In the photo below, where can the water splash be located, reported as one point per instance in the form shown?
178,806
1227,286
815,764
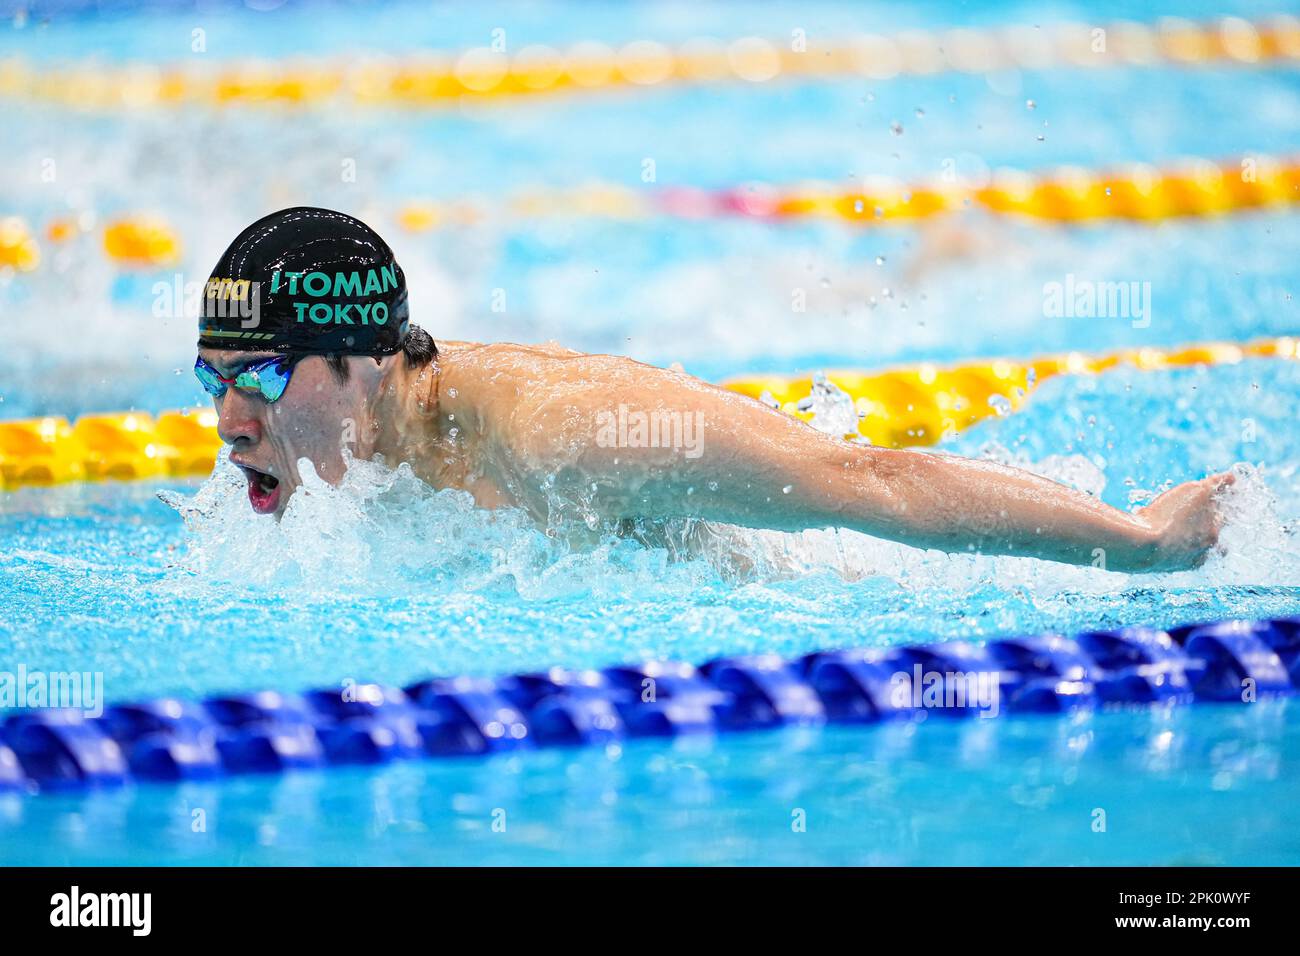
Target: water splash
833,410
383,531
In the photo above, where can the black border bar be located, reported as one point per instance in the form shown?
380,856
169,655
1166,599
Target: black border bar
930,905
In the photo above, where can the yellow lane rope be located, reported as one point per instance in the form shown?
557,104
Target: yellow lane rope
916,405
922,404
442,78
1195,187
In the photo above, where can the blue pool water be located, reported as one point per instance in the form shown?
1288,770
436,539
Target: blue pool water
384,580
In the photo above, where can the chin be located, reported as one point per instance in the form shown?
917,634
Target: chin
283,504
333,473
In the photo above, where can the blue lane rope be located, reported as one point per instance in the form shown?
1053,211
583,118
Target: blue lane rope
271,732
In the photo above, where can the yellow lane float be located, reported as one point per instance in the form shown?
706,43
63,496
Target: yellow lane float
39,451
119,446
920,405
122,446
188,441
18,248
143,242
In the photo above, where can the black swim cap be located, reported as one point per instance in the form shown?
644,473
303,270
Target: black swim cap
306,280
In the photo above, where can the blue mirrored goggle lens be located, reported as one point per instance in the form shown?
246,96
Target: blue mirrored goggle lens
269,379
208,378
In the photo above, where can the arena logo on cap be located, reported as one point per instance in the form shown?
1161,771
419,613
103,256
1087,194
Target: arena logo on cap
321,284
232,298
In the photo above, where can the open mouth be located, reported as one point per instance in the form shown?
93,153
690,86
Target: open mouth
263,490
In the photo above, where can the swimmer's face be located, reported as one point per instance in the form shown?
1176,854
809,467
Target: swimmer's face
312,419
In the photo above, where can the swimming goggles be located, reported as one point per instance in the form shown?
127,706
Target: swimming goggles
268,378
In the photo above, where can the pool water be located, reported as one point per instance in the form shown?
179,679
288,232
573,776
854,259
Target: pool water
177,588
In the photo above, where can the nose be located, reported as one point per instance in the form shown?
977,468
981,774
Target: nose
238,418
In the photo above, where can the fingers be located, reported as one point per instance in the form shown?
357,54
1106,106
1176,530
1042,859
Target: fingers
1220,482
1218,485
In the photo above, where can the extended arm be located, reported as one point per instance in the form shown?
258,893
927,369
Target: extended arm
635,441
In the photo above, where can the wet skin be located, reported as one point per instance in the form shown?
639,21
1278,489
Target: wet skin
522,426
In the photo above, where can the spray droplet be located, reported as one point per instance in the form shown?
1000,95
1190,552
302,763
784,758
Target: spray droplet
787,489
880,260
896,128
1030,104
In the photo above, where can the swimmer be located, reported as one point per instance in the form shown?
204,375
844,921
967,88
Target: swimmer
306,345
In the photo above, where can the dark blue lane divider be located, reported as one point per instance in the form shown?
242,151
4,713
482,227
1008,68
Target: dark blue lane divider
269,731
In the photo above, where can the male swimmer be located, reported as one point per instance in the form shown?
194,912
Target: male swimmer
305,344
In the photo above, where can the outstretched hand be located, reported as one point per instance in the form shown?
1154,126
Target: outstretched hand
1186,521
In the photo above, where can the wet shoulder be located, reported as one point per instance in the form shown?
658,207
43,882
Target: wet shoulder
508,364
